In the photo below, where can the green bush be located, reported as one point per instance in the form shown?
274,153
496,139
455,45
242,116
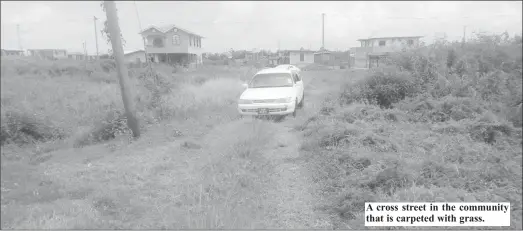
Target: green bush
383,87
427,109
20,128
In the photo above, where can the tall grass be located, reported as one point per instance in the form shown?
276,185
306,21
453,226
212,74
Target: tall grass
441,123
163,180
65,95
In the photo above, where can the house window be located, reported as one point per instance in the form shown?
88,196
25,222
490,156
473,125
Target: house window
158,42
190,40
410,42
382,43
176,39
302,57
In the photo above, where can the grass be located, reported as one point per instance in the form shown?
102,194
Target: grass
442,123
176,187
213,185
422,129
64,167
46,93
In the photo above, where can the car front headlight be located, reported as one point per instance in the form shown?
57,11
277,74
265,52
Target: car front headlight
284,100
244,101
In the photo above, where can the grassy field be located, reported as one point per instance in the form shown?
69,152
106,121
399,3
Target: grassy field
442,123
64,164
439,124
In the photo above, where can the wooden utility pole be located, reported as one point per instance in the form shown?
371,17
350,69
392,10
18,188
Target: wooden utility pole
85,49
322,37
96,38
464,34
18,35
323,31
121,68
86,58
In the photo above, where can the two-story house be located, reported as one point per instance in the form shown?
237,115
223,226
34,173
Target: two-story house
172,44
76,55
12,52
51,54
373,49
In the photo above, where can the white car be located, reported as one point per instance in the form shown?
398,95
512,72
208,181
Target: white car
274,91
289,67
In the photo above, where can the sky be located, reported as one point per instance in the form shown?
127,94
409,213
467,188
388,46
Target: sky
248,25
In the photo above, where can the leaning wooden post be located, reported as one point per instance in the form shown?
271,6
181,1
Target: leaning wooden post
121,68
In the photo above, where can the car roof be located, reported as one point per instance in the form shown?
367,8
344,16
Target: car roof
284,66
274,71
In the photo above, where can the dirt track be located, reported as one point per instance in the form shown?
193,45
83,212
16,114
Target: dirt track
292,200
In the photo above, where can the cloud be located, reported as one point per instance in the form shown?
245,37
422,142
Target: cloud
34,14
245,25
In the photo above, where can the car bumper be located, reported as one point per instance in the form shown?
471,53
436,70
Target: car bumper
272,108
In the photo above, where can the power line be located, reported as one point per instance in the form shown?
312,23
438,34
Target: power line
143,38
138,16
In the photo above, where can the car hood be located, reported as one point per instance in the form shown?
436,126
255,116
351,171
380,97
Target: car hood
268,93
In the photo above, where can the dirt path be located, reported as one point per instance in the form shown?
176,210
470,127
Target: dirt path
291,201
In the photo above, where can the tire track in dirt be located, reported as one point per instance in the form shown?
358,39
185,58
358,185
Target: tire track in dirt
291,202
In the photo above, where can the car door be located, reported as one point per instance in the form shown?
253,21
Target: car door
299,85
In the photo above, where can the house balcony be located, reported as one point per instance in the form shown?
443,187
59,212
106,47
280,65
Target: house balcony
364,51
157,49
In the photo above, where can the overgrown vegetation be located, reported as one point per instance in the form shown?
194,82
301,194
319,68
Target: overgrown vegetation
44,101
439,123
63,165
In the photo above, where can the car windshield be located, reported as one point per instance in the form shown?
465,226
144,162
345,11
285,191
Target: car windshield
271,80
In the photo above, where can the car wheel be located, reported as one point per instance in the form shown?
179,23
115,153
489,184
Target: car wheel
302,101
295,108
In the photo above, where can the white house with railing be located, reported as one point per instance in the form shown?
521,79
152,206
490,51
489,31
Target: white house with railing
373,49
172,44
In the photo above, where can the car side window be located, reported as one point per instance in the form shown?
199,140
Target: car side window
298,77
295,77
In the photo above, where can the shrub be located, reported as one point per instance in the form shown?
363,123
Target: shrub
113,124
383,87
451,135
21,128
427,109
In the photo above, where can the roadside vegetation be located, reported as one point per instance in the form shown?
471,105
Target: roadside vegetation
440,123
67,163
44,101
